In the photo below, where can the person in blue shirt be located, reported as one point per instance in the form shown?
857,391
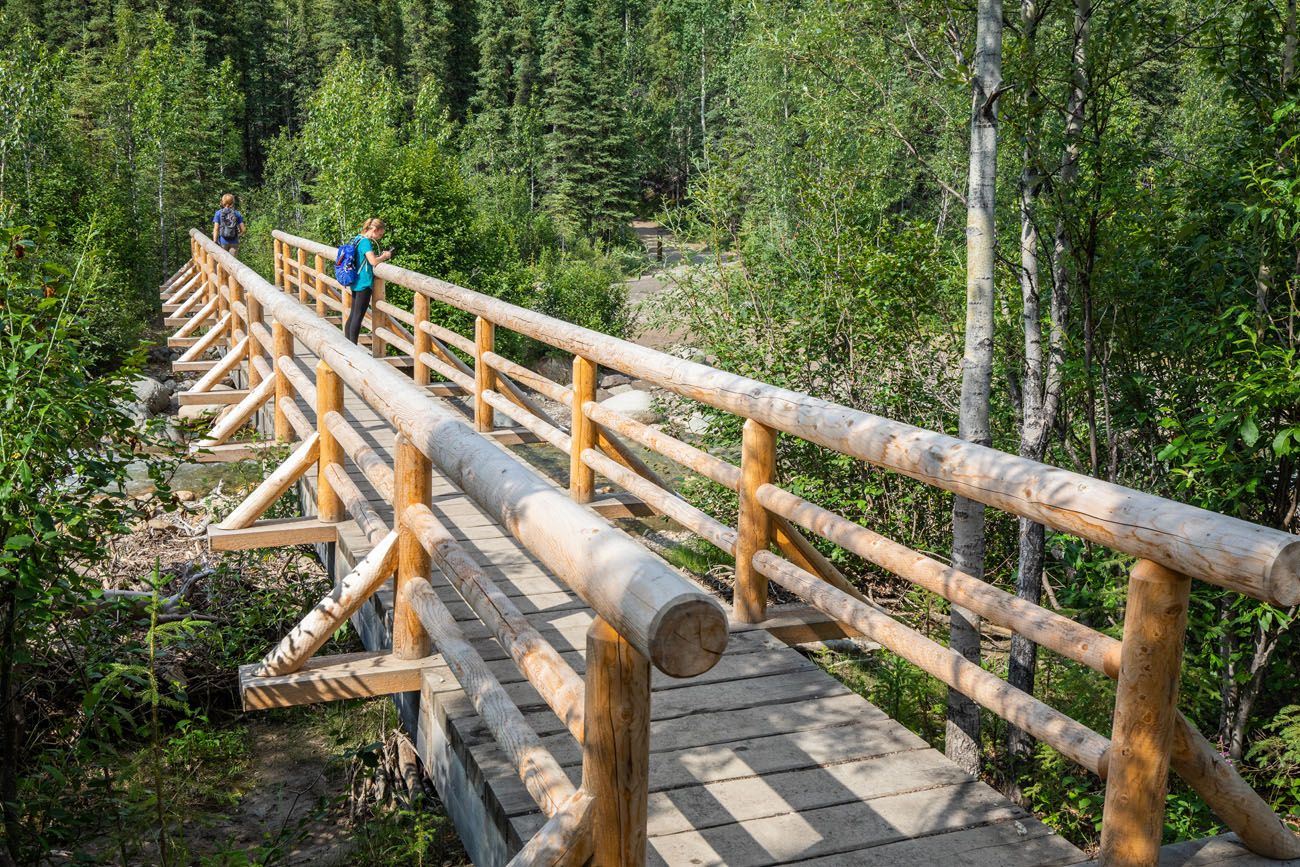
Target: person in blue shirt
228,225
372,232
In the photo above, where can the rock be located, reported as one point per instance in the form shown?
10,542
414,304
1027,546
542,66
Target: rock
170,385
135,409
173,405
637,405
185,496
613,380
621,388
698,423
151,394
555,370
224,386
195,411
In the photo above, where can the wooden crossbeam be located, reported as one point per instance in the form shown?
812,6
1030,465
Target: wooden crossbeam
801,624
211,398
621,505
272,533
445,389
230,452
193,366
513,436
182,342
333,678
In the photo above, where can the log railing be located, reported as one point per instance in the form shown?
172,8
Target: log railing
646,613
1173,542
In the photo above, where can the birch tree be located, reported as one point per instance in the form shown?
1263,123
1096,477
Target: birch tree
963,731
1040,392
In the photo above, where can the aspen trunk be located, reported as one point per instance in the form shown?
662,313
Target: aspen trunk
963,745
1042,373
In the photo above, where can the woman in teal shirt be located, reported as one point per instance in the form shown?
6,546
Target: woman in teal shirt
371,234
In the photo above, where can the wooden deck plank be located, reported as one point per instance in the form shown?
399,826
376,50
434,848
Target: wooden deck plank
1016,843
834,830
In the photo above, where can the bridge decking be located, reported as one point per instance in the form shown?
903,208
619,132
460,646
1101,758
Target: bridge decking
765,759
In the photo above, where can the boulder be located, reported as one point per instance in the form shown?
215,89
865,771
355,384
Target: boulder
613,380
195,411
638,405
697,424
151,394
555,370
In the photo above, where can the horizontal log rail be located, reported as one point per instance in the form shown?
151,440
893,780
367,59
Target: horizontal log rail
1254,560
1170,539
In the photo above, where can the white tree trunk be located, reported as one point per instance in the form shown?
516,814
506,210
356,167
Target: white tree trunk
1042,373
962,742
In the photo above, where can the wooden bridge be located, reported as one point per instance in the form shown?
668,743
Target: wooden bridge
577,700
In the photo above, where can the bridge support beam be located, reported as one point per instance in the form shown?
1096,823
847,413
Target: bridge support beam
1146,712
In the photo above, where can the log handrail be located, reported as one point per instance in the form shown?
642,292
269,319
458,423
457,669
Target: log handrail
1254,560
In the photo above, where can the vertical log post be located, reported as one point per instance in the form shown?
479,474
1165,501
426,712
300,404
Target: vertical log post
484,377
206,277
318,285
757,467
1146,711
582,430
329,398
234,292
616,752
283,339
218,286
378,319
300,267
423,339
412,484
277,267
255,347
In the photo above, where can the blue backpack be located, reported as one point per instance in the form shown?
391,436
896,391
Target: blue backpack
347,264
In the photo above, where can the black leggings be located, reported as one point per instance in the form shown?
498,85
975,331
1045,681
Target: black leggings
360,304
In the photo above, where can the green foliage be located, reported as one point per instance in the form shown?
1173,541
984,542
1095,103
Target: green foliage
349,137
1277,756
66,440
428,205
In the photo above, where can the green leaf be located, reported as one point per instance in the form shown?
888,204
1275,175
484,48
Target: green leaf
1249,431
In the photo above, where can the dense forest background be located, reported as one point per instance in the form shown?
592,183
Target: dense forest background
1143,184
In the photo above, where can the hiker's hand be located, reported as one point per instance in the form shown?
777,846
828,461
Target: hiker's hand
388,254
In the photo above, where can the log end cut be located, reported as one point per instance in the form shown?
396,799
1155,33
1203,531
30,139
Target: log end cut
688,635
1284,576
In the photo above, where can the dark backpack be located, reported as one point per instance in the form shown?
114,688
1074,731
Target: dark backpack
229,222
347,263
